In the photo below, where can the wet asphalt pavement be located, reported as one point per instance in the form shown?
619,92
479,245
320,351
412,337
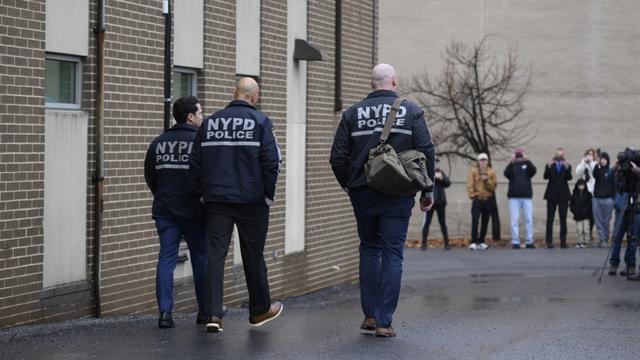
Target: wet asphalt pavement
496,304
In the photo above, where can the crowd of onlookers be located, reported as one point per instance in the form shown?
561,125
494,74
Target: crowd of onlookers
597,194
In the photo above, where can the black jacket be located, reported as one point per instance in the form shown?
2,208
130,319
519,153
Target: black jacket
235,156
580,204
519,174
605,186
359,131
166,171
439,195
558,185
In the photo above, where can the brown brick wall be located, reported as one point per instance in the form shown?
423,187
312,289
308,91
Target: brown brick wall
133,117
21,157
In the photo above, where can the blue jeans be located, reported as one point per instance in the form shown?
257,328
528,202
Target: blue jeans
515,206
171,232
622,225
382,227
602,209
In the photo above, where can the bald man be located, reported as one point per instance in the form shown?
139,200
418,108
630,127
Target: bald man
235,165
382,219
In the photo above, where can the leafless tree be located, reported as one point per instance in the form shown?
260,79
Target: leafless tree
475,106
476,103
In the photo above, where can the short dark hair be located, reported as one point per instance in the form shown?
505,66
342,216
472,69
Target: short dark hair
183,107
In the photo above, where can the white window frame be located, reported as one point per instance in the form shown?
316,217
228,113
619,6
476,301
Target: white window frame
194,76
78,93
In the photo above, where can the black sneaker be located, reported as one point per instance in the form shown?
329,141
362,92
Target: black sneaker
530,246
613,270
515,246
423,247
201,319
165,321
549,246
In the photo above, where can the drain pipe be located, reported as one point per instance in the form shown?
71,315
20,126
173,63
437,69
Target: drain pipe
99,153
166,10
337,101
374,35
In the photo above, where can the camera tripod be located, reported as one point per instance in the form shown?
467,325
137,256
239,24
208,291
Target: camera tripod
630,205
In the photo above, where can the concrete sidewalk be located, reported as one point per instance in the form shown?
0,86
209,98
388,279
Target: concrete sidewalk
459,304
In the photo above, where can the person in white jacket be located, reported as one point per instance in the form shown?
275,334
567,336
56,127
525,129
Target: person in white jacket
584,171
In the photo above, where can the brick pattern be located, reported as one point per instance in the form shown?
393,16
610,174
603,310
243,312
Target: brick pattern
133,117
22,46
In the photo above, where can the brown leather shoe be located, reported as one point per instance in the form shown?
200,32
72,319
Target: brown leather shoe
274,311
214,324
385,332
369,324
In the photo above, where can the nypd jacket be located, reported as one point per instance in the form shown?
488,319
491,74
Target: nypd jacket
166,171
235,156
359,131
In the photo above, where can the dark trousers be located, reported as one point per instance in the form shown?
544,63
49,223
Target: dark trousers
624,226
171,232
252,221
480,212
382,221
562,213
440,210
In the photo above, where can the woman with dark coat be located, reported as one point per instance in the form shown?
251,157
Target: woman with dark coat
440,202
580,206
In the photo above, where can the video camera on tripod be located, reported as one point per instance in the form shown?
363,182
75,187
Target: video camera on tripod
626,159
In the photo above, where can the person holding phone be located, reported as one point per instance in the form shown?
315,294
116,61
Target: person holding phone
558,173
481,183
519,172
440,203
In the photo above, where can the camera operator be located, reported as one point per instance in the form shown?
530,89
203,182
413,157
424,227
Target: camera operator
627,175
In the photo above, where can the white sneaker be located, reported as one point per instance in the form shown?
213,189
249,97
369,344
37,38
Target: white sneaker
482,246
472,246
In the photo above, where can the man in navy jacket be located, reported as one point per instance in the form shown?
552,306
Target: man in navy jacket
176,211
234,167
382,219
519,172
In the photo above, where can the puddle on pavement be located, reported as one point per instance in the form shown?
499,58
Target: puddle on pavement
494,302
495,275
625,305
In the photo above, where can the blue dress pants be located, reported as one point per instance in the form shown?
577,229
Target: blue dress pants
171,232
382,227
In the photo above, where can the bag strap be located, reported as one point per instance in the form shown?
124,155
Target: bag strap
391,118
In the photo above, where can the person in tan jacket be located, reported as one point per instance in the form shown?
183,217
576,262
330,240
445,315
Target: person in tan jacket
481,183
